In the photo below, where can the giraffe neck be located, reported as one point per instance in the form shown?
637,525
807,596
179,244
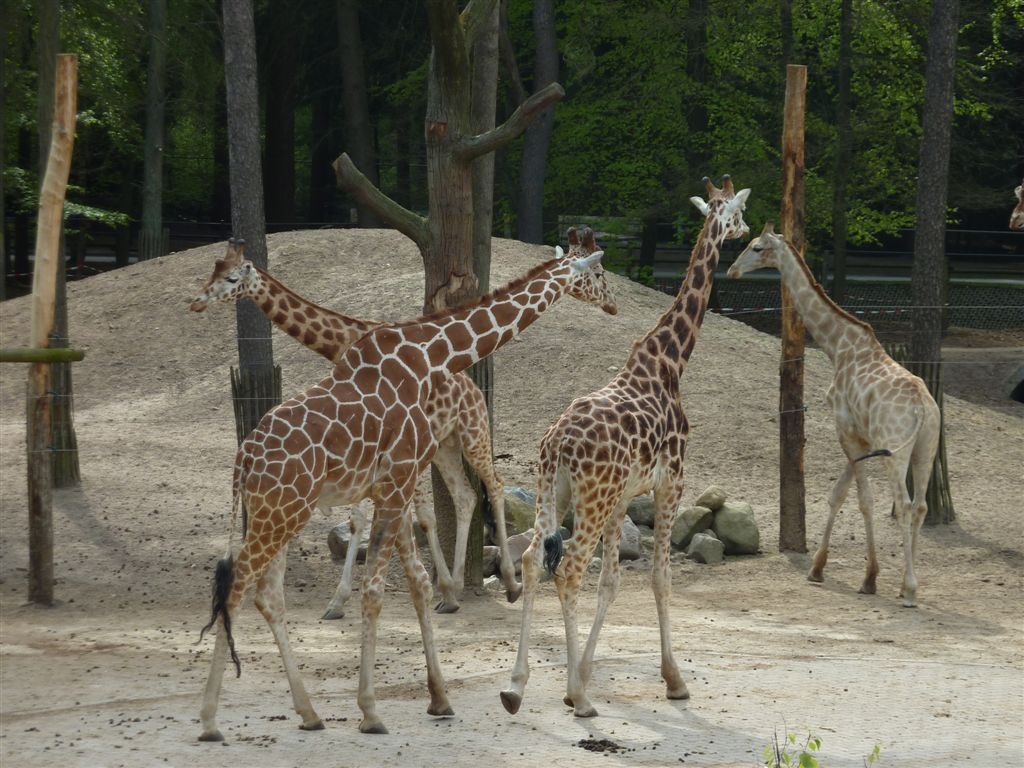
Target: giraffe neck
670,343
449,342
325,332
826,321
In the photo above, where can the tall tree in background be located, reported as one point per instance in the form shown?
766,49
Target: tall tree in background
64,459
445,237
258,385
928,277
844,152
530,214
355,104
281,69
151,236
3,157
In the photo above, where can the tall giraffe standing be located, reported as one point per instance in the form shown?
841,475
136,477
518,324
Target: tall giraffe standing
881,409
456,409
363,431
609,446
1017,217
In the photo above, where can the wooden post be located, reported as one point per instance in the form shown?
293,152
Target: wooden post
792,510
51,223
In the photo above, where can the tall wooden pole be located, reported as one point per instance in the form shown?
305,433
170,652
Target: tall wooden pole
792,511
40,404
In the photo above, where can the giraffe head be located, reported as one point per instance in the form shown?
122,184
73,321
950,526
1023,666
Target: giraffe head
761,253
725,207
234,277
1017,217
588,282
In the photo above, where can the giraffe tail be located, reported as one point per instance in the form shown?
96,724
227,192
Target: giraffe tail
554,549
223,578
887,452
873,454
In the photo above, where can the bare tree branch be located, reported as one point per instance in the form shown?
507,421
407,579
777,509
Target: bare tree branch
356,184
512,128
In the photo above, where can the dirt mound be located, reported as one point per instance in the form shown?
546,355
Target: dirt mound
112,677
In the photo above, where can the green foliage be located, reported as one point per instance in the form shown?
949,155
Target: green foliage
791,752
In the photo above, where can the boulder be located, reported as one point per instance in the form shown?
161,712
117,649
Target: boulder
734,524
491,561
525,495
641,511
705,548
519,516
629,544
339,539
517,544
713,498
690,521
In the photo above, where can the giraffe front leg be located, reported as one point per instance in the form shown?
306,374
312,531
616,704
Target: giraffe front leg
512,697
666,503
357,524
419,588
836,499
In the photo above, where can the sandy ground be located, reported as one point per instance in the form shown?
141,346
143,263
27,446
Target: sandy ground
112,675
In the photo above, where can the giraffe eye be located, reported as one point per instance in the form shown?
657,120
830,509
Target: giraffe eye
233,279
757,249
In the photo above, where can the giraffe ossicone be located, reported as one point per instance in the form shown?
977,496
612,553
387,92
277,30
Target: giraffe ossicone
614,444
363,431
880,409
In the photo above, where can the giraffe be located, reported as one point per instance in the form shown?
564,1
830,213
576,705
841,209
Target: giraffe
363,431
1017,217
456,409
612,445
880,408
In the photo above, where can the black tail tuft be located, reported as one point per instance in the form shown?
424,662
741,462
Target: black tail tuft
873,454
223,578
553,551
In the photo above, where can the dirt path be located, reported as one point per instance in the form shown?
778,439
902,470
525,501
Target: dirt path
112,676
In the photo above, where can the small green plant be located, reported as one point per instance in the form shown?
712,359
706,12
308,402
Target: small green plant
790,753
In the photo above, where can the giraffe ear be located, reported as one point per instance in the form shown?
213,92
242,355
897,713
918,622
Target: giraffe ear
701,205
587,262
740,201
559,253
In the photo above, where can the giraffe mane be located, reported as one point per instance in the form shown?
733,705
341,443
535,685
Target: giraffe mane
496,294
821,291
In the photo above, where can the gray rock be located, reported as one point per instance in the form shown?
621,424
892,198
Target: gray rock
713,498
705,548
629,544
491,561
339,538
641,511
517,544
525,495
519,516
690,521
735,525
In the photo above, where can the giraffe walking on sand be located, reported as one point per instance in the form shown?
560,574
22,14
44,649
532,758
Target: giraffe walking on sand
881,409
363,431
455,407
612,445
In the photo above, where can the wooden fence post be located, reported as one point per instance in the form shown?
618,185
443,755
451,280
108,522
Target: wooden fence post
48,237
792,509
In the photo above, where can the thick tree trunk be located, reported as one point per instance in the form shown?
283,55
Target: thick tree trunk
530,214
355,102
321,190
844,153
929,270
281,75
151,237
697,67
3,164
255,351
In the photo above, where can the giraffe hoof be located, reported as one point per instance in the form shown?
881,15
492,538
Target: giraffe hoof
372,726
446,607
511,701
213,735
815,578
677,694
316,725
333,613
513,594
441,711
585,711
866,589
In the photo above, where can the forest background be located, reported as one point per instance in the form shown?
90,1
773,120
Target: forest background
658,94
